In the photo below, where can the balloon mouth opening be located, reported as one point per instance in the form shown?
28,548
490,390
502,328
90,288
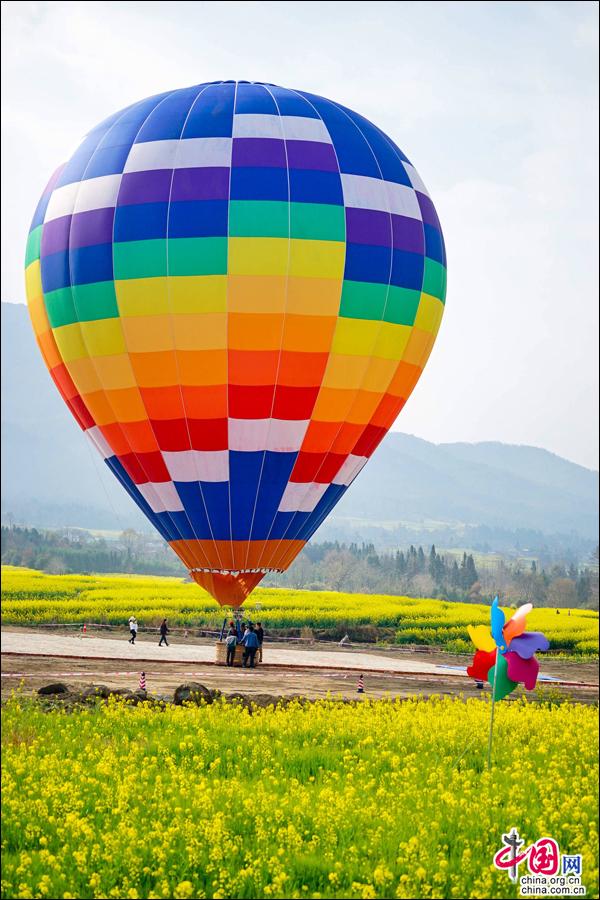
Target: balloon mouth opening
229,587
263,570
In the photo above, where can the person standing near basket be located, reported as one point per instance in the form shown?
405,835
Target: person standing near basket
231,644
260,634
250,642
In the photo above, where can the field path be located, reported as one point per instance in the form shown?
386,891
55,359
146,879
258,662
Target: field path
36,644
33,657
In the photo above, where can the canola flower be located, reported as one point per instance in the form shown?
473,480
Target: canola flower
31,597
381,799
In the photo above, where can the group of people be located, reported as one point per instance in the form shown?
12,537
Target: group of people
133,630
251,640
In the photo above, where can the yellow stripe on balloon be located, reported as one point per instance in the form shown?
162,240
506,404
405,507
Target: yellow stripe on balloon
429,314
103,337
317,259
258,256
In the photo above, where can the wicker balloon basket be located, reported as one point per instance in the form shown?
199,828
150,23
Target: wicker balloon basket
221,655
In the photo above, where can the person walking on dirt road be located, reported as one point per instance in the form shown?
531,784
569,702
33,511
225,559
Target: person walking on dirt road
133,629
164,630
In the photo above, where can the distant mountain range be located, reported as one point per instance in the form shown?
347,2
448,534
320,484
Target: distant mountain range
488,492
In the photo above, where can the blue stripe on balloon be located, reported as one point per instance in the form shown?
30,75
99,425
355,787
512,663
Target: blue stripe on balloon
434,244
117,469
254,98
166,121
244,475
331,496
191,496
277,469
212,113
367,262
285,525
141,221
291,103
91,264
407,270
353,152
55,269
198,218
314,186
76,166
249,183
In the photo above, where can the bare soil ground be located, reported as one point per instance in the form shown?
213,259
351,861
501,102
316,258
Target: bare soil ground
27,673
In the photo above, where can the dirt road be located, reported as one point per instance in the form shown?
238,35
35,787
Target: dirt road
31,658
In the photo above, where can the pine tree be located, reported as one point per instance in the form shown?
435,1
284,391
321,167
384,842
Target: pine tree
433,562
400,562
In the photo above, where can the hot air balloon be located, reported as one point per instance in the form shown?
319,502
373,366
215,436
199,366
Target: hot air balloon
235,288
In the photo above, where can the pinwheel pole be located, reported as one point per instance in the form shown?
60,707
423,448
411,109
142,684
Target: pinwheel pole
491,734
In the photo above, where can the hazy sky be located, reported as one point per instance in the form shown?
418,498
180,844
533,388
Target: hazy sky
494,103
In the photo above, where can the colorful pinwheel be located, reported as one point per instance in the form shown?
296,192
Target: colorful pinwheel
508,648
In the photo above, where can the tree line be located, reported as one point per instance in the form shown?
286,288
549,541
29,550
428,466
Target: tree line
327,565
446,575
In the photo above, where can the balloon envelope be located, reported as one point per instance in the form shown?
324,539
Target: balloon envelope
235,288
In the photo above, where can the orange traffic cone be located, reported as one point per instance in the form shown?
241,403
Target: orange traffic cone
84,628
361,685
143,681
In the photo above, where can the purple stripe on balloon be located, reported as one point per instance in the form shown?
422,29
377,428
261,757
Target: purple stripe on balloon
311,155
83,229
92,227
145,187
55,236
368,226
380,229
267,152
202,183
408,234
428,210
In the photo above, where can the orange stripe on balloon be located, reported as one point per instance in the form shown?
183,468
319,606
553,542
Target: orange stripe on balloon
249,367
226,554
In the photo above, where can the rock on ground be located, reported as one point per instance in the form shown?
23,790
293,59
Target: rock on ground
192,692
55,688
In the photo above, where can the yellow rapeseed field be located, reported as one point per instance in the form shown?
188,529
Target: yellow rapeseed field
31,597
378,799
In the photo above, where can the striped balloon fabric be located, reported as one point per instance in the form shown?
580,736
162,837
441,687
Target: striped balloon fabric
235,288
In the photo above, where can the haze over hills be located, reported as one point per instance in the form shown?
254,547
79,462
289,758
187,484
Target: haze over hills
490,493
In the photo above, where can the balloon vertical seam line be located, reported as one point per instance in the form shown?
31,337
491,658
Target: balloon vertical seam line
273,554
281,336
299,526
425,354
171,518
320,519
235,94
373,444
74,291
175,352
